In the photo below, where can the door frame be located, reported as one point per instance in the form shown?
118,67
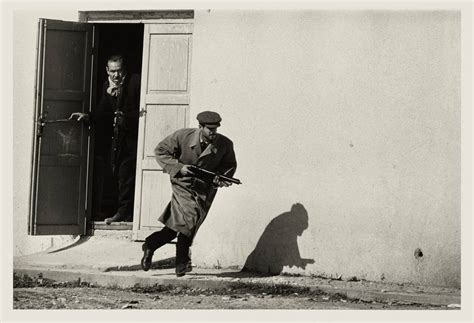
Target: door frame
91,17
135,16
37,102
122,17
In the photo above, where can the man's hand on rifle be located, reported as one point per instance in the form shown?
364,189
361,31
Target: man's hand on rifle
220,183
186,171
79,116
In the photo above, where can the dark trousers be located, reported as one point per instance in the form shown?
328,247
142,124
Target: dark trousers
126,185
98,186
123,179
160,238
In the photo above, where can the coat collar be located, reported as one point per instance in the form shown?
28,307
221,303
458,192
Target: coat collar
195,143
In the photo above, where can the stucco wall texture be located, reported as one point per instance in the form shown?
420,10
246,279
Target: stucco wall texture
354,115
346,126
25,28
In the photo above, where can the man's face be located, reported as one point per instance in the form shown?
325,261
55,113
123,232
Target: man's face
208,132
115,71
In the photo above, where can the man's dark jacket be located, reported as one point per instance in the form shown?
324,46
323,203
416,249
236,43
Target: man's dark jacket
103,117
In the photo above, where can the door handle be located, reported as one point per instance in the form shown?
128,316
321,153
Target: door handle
58,120
42,121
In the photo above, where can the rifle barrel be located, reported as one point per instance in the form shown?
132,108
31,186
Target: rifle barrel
230,179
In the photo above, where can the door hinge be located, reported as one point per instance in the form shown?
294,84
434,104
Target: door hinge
40,122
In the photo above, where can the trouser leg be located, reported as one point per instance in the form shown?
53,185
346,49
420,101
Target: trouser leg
126,186
182,249
98,187
160,238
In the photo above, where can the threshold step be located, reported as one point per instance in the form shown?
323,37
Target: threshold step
100,225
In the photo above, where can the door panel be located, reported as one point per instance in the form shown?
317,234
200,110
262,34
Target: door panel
53,189
169,58
60,156
164,101
66,45
164,120
62,138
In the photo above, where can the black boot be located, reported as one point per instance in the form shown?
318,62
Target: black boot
147,255
183,268
116,218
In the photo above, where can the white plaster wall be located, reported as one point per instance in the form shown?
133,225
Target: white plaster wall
355,115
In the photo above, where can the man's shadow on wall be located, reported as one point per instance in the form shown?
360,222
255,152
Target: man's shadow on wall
278,245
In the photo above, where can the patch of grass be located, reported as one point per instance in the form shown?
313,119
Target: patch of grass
25,281
276,289
157,288
291,274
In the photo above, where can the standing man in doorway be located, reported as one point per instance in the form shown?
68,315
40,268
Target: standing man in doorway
192,196
115,122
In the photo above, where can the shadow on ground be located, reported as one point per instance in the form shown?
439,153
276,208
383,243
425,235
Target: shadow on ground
81,240
238,274
159,264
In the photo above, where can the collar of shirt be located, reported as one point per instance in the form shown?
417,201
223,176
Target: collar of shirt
202,141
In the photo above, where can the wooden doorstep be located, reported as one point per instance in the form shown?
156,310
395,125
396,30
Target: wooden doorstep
100,225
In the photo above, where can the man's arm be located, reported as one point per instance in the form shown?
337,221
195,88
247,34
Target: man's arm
103,110
228,165
133,112
166,155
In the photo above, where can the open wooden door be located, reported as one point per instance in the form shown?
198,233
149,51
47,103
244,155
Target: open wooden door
60,148
164,103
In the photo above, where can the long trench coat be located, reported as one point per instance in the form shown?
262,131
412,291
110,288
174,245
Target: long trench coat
192,197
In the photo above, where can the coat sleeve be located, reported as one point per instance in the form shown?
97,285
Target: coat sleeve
228,165
134,93
166,154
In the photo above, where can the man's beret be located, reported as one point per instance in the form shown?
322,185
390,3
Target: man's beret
209,118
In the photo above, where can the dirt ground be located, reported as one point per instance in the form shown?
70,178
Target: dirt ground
44,294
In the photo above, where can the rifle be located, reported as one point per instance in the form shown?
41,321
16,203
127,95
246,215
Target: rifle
201,172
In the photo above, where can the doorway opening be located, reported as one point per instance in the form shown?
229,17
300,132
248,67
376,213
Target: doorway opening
108,185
